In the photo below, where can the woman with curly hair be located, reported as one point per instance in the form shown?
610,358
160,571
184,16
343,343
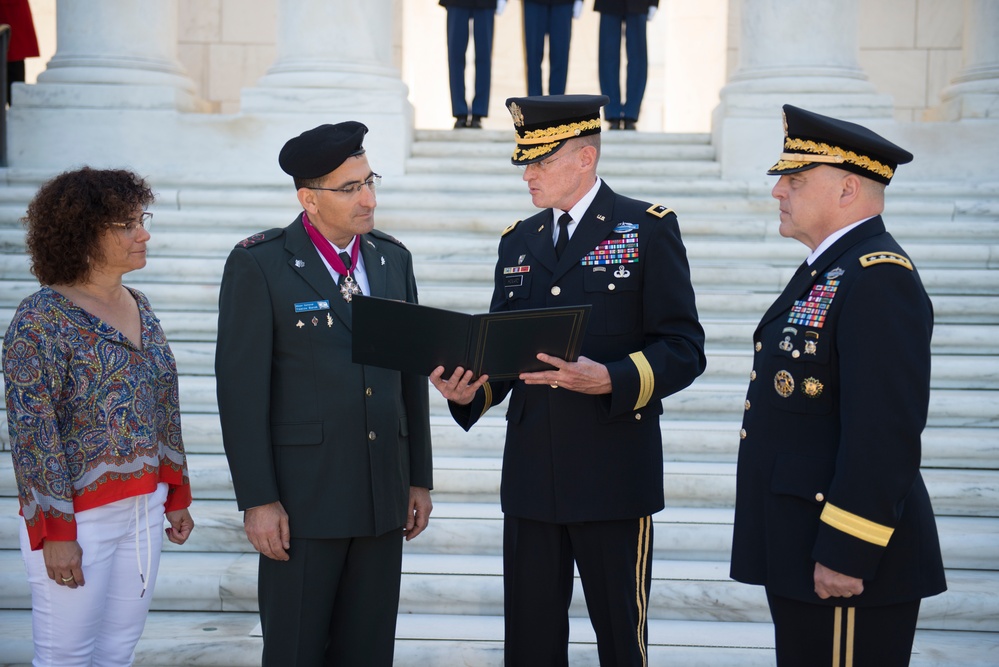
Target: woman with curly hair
94,420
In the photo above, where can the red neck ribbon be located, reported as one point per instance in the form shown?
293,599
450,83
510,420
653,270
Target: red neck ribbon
326,250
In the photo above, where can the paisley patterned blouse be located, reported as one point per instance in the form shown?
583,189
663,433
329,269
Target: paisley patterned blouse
92,418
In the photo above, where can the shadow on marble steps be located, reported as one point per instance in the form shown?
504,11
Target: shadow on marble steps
203,639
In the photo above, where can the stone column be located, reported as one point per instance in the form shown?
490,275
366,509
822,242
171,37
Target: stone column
802,52
114,54
335,61
974,93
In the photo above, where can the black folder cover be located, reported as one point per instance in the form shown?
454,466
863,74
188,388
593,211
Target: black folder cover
417,339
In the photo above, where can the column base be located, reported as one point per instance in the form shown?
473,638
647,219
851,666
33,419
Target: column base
969,99
106,96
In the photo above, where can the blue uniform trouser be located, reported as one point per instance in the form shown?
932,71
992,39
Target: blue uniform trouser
609,55
555,21
458,19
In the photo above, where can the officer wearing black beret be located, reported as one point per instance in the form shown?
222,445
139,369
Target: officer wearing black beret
583,461
832,516
330,460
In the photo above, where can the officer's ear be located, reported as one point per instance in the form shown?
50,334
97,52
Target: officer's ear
588,157
308,200
851,188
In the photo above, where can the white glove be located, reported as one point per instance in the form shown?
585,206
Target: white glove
577,9
652,12
500,6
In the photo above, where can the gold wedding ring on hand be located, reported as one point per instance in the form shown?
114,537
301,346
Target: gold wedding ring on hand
554,385
68,579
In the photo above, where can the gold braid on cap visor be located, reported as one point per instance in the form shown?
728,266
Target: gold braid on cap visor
531,153
559,132
827,154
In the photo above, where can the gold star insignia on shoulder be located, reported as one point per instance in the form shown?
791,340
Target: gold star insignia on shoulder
885,258
510,228
659,210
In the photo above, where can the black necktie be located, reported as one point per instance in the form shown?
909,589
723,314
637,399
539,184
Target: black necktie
345,258
563,234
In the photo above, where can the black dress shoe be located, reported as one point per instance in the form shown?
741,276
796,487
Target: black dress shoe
460,122
614,124
628,124
476,122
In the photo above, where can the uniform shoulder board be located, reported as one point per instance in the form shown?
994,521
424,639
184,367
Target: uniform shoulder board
510,228
659,210
885,258
261,237
377,233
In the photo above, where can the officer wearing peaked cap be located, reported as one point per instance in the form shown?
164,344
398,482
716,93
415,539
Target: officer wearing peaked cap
583,460
330,460
832,516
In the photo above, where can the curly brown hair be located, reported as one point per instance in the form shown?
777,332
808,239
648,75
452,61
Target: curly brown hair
70,213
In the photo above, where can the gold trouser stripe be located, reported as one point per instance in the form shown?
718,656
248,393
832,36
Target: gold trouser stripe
857,526
842,656
850,623
837,635
641,567
489,398
646,379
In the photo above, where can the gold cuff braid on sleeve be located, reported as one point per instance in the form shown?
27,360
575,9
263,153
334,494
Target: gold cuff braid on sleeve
856,526
646,379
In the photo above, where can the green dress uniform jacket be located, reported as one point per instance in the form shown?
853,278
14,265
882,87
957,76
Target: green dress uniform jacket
829,460
573,457
339,444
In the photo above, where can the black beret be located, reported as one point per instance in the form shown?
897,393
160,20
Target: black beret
811,139
545,122
322,149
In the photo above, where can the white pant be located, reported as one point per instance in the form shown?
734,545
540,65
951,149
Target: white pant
99,624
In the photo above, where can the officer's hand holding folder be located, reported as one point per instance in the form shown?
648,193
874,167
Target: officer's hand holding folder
417,339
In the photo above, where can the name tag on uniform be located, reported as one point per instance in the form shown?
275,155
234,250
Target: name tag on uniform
306,306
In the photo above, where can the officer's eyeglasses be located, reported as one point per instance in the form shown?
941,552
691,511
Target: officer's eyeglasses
145,221
542,165
373,182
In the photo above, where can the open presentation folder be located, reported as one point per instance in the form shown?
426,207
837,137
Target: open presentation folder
417,339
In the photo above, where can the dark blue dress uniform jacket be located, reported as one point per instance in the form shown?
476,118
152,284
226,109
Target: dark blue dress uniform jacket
571,457
339,444
829,459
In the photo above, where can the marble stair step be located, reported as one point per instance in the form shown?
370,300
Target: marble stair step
462,479
681,533
687,484
169,241
198,272
704,400
950,371
745,304
211,639
732,334
472,585
683,440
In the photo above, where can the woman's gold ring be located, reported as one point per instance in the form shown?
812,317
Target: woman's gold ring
67,579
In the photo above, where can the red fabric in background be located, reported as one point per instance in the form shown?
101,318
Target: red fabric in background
23,42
